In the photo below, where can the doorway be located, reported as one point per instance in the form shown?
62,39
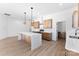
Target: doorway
61,30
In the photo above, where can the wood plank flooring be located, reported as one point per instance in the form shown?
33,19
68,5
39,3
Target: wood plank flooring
13,47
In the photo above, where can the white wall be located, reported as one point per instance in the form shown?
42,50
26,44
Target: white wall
3,26
16,25
12,26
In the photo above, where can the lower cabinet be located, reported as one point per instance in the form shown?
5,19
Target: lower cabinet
47,36
61,35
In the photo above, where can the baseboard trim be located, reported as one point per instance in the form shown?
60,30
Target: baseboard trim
12,35
72,50
1,38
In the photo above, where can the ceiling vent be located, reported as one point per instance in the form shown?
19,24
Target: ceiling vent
7,14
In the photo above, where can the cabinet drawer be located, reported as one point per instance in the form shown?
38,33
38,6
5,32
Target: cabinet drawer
47,36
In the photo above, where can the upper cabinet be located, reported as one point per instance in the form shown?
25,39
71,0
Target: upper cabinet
47,24
75,17
36,24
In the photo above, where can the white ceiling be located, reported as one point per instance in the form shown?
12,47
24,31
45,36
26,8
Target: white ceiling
17,9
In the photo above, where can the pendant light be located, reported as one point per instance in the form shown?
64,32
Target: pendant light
24,17
31,13
31,16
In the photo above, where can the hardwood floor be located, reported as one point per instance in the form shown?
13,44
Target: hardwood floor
13,47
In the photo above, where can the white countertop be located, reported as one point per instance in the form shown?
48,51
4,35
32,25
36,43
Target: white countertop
29,33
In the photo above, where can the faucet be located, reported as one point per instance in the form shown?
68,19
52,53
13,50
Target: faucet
76,31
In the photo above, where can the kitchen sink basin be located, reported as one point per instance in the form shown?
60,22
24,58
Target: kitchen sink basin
74,37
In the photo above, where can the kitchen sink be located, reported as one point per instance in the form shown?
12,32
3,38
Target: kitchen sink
74,37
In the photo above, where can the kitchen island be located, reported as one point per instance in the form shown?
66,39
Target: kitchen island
34,39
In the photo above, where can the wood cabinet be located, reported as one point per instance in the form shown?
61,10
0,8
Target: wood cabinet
35,24
47,23
61,35
46,36
27,39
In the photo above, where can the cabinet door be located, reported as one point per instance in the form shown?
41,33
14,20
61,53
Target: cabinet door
46,36
48,24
